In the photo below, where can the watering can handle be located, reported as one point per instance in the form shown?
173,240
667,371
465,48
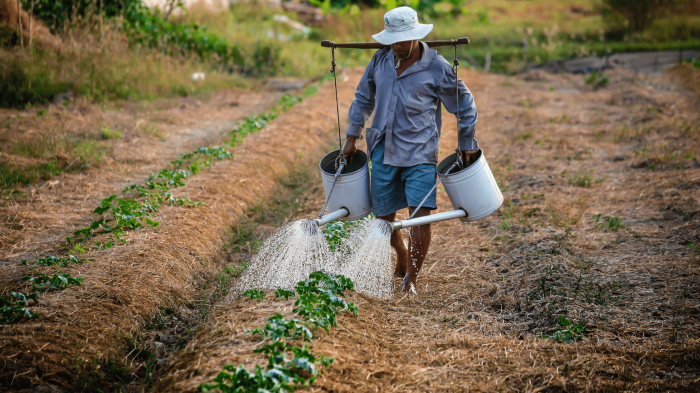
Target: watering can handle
442,177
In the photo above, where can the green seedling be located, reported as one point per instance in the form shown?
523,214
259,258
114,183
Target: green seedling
58,282
570,333
607,223
278,327
54,261
255,294
283,293
15,308
597,79
317,304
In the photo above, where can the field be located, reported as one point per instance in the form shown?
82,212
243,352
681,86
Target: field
585,280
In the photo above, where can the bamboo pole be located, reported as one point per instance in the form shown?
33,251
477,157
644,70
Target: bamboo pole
19,23
31,15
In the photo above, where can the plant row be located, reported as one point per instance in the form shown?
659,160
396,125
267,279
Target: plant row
290,364
117,216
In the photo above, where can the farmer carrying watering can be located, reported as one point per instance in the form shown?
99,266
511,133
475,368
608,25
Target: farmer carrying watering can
404,85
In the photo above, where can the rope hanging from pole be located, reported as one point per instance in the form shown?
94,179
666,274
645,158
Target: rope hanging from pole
455,71
337,108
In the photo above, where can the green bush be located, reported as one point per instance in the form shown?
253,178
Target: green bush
638,14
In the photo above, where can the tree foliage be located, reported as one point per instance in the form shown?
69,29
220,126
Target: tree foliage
638,14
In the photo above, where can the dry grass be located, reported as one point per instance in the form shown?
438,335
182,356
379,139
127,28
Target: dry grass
689,77
488,291
491,289
125,285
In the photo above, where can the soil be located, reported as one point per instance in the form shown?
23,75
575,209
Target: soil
600,226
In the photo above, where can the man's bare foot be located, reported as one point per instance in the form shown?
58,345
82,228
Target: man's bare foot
409,286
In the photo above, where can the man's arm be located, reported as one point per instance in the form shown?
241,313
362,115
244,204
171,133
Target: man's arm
361,108
467,115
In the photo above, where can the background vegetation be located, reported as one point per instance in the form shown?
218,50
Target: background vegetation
118,49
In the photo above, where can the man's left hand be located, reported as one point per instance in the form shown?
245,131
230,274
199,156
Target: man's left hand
469,157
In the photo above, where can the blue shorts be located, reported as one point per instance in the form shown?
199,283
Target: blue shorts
395,188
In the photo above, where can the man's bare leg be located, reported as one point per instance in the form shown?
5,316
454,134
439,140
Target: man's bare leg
399,246
418,249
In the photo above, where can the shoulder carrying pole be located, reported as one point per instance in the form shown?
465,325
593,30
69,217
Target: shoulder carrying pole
376,45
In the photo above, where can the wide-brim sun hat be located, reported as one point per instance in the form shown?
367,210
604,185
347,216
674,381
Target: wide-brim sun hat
401,24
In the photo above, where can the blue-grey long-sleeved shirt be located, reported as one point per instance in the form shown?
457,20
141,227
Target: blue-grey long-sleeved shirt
407,108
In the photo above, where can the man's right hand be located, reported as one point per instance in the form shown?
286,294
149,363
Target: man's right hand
349,148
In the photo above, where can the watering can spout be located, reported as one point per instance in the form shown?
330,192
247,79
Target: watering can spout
332,216
459,213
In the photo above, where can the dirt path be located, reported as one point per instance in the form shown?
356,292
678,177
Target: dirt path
563,154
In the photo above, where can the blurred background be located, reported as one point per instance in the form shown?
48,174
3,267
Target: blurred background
128,49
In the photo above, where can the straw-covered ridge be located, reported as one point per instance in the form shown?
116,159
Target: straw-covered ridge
124,286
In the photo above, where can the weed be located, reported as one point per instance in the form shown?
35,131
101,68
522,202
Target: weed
607,223
108,133
596,79
693,247
15,308
545,286
581,179
10,175
44,283
570,333
521,137
255,294
224,278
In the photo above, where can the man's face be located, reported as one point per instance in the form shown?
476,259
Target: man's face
402,49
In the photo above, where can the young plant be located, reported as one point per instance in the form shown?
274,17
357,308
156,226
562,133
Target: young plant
44,283
54,261
317,302
597,79
607,223
255,294
15,308
570,332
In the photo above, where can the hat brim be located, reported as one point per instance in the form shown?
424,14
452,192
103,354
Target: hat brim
392,37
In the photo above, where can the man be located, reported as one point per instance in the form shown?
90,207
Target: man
405,85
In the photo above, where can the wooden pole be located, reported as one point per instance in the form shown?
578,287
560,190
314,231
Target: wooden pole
100,20
31,15
376,45
525,65
19,23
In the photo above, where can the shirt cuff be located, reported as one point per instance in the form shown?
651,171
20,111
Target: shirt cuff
354,131
468,144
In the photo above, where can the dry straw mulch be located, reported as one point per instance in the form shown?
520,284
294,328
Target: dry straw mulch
125,285
491,289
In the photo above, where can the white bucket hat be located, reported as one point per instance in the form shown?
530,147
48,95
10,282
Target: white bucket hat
401,24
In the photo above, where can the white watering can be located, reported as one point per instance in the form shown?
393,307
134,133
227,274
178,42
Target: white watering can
473,191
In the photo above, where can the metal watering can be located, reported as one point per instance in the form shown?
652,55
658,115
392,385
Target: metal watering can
473,190
347,187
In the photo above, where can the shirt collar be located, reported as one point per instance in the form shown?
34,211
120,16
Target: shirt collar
426,59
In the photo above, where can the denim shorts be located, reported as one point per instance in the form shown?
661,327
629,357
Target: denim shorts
395,188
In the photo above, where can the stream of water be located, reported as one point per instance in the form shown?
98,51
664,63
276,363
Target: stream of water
299,248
